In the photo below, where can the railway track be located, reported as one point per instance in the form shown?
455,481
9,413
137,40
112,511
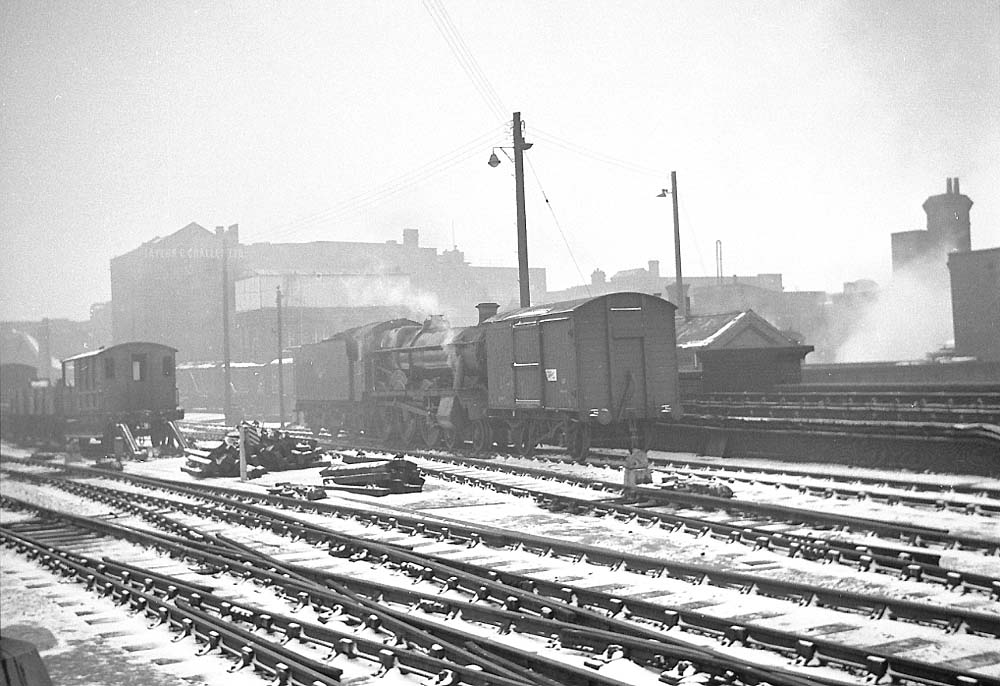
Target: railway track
576,629
910,550
918,488
971,496
387,539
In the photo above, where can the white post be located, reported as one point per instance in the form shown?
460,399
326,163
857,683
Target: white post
243,451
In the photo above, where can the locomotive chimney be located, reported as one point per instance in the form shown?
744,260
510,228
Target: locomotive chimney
954,186
486,310
948,186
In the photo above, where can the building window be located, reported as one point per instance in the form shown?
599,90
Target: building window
168,366
109,367
138,367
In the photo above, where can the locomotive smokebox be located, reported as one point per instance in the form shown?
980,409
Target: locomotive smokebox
487,310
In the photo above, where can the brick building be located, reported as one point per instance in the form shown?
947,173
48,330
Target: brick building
948,230
975,302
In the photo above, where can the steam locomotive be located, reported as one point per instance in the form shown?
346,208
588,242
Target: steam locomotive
566,373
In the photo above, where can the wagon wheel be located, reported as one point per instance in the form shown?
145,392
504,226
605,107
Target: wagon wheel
482,437
501,436
409,428
579,441
524,438
430,432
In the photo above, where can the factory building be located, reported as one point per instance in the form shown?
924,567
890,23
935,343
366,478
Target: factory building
169,289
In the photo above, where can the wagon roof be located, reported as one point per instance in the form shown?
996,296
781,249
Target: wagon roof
561,307
92,353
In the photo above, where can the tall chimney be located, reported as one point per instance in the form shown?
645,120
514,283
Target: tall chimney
954,185
654,268
487,310
948,185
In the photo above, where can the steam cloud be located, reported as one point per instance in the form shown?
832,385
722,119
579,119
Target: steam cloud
910,318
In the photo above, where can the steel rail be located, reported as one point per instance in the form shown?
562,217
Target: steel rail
251,649
892,607
826,649
843,487
657,497
791,469
650,650
923,534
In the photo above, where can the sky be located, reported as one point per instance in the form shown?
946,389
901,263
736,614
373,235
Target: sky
802,134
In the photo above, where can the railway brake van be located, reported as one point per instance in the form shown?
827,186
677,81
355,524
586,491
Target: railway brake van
588,369
129,383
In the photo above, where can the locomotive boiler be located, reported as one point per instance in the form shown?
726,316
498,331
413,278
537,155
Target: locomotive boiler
564,373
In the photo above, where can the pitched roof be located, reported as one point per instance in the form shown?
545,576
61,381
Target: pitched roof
745,329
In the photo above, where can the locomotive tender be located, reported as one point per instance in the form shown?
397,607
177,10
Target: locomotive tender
130,385
564,373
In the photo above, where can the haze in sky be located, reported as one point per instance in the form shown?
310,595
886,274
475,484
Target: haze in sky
803,134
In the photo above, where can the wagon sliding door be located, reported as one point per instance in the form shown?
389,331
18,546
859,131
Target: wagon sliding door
527,364
627,352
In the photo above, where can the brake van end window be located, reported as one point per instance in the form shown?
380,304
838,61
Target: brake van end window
138,367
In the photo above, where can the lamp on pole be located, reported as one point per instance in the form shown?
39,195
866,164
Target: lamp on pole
522,230
672,192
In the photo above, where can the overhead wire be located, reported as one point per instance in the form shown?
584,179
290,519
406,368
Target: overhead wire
569,146
558,225
466,59
402,182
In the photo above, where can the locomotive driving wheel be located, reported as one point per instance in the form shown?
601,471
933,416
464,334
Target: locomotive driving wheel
410,427
430,432
482,437
384,425
452,439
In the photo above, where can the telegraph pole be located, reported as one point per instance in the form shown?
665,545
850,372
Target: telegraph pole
281,371
682,301
522,229
228,406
